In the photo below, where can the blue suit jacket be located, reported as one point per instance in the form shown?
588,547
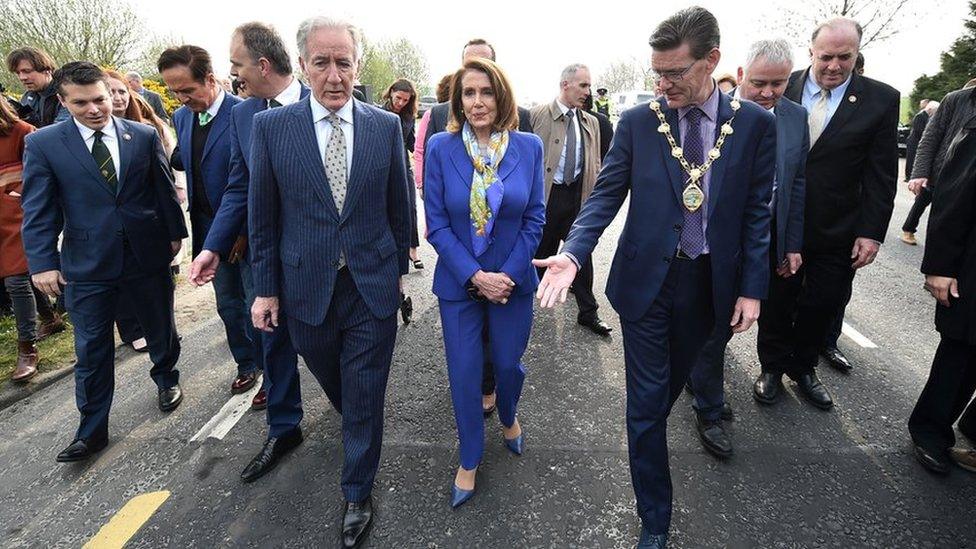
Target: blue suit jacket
63,190
230,220
517,229
296,231
640,162
792,145
216,154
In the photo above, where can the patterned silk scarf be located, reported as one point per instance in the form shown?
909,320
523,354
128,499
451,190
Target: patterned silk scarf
487,189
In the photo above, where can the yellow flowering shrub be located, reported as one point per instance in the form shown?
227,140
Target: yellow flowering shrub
169,101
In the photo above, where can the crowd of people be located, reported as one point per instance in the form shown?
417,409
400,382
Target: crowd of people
752,197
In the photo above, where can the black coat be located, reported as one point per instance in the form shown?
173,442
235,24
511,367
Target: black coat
606,133
853,167
911,144
950,244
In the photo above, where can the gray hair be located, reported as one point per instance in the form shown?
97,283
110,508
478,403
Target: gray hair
931,107
134,74
695,26
570,71
839,23
776,51
319,22
261,40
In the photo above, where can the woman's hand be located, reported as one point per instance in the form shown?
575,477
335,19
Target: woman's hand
496,287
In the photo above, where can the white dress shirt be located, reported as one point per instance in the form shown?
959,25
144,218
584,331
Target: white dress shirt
214,107
291,94
323,129
558,177
109,137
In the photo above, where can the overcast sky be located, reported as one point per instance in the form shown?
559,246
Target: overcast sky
535,40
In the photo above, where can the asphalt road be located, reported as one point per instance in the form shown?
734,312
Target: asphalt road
799,478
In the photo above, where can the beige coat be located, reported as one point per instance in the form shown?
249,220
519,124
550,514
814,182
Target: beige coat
549,124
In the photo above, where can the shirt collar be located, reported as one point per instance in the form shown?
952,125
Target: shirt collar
215,106
563,108
709,108
813,89
291,94
319,112
86,133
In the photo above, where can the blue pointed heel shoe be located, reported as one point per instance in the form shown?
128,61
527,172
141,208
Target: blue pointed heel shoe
515,445
459,496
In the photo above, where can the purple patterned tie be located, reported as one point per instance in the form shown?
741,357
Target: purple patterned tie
693,234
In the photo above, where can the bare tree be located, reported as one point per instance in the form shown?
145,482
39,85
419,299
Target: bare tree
619,76
104,32
880,19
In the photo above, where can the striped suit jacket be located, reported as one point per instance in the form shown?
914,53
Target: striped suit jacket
296,232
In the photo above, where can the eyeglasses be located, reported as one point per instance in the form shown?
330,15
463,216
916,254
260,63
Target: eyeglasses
676,75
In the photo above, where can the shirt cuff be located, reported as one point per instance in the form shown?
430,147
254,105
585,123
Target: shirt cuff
574,260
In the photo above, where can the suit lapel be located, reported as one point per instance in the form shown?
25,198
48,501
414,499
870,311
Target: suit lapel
220,124
76,146
846,109
307,147
794,91
509,162
718,166
461,160
364,128
123,136
674,167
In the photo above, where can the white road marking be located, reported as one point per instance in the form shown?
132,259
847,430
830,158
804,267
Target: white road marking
857,336
228,416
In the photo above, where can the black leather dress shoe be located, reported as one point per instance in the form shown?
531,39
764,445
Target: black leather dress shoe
814,391
767,387
80,450
713,437
938,464
170,398
596,326
356,521
273,450
836,359
406,310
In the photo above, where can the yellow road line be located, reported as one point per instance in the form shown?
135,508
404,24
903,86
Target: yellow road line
127,521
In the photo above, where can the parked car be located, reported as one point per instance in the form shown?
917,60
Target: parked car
424,104
903,132
625,100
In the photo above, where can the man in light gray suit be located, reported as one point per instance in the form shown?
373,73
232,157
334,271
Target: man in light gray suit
151,97
763,79
335,259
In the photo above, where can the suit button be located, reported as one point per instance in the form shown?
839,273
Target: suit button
557,141
548,170
677,227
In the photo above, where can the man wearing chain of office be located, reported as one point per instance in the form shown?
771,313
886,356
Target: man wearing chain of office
699,169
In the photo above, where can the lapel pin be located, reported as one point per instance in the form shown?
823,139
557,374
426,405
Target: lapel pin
852,99
126,136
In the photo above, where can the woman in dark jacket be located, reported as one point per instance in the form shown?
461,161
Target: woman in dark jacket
401,99
949,265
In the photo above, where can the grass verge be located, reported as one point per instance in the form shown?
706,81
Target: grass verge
55,351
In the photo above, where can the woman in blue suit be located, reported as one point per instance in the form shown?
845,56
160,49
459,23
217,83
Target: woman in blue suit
485,211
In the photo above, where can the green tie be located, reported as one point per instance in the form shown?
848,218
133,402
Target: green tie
272,103
104,160
205,118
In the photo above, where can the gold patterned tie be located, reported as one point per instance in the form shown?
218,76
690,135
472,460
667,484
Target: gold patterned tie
818,116
103,157
335,167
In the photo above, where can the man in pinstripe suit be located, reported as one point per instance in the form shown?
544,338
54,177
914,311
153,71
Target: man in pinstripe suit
329,227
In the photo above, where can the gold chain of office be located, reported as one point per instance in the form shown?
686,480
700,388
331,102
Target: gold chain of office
693,196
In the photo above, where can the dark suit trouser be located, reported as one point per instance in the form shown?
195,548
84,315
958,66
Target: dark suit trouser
126,322
837,322
922,201
92,306
660,350
561,211
951,384
708,376
277,358
799,310
349,354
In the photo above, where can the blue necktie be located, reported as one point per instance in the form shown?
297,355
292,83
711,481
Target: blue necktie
693,233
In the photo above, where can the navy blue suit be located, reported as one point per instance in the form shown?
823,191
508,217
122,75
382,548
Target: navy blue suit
669,305
342,321
215,165
64,191
792,144
516,235
281,379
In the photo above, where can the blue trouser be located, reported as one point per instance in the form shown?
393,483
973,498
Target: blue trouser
279,361
708,375
509,327
92,306
660,350
349,354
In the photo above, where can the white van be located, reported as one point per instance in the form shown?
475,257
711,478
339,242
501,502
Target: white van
628,99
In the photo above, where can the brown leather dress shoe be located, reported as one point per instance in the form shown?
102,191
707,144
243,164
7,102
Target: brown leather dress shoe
50,327
260,400
26,361
243,383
